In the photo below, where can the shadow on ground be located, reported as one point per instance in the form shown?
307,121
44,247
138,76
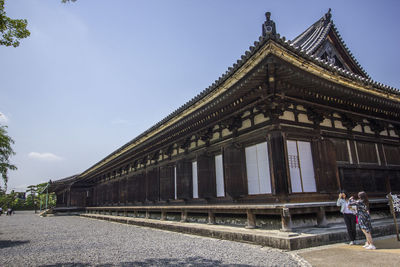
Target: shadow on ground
390,243
193,261
10,243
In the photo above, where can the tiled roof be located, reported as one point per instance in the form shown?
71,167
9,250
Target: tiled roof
310,39
65,180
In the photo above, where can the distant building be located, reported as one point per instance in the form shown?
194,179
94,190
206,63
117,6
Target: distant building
289,122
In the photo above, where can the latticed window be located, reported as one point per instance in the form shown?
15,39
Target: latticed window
301,166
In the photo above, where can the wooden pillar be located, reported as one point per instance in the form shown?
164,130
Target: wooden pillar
131,189
152,185
184,216
69,197
167,183
184,179
115,192
147,214
163,215
139,187
211,217
206,176
122,187
327,174
277,154
286,220
321,217
234,171
125,213
251,220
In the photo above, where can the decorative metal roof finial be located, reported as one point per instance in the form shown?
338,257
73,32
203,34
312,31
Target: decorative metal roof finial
268,26
268,16
328,14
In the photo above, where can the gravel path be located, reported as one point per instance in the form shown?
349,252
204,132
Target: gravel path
29,240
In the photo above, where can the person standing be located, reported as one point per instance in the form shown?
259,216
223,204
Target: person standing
349,215
364,218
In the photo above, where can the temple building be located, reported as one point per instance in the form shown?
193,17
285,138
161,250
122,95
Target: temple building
290,124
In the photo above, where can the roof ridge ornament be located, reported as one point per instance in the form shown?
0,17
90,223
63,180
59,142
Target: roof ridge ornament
268,28
328,15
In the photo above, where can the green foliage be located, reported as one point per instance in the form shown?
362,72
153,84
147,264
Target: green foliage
36,196
8,200
30,202
51,201
6,152
11,30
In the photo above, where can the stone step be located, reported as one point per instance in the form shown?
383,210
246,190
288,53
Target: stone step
297,239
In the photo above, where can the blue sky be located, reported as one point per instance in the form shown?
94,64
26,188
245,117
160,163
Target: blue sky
94,74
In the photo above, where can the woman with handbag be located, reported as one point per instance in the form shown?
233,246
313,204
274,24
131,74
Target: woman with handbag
364,219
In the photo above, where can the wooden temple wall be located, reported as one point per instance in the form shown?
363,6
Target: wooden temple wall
62,199
290,158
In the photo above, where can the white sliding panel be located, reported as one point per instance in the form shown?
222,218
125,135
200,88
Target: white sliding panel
257,166
252,170
175,186
219,176
263,168
294,166
306,166
195,181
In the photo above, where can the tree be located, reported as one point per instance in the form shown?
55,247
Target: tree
32,189
6,152
8,200
11,30
46,199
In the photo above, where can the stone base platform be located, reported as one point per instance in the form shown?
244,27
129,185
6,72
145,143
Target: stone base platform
296,239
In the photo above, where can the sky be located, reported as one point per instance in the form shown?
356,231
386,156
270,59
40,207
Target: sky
94,74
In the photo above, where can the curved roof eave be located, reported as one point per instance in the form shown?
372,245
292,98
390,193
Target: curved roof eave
251,52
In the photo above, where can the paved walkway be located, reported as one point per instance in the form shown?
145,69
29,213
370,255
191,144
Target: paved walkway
386,254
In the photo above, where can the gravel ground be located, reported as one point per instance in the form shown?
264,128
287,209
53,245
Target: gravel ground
29,240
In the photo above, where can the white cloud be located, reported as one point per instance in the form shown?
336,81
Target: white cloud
3,118
44,156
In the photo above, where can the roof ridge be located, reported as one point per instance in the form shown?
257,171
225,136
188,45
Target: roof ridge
345,73
347,50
